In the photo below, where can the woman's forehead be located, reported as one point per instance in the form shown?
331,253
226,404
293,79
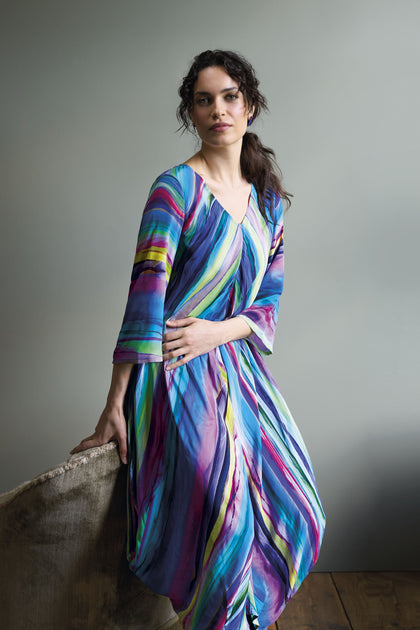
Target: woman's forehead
214,79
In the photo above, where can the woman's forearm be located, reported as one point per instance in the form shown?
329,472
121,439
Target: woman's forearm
119,382
234,328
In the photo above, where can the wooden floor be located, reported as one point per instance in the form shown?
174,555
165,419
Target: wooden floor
355,601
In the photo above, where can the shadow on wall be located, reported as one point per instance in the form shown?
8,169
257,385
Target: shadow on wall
62,550
380,518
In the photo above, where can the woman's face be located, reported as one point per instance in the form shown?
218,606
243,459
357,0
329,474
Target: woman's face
219,111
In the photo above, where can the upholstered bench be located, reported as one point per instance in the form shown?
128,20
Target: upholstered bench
62,561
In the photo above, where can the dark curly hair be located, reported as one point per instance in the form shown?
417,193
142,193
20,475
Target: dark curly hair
258,163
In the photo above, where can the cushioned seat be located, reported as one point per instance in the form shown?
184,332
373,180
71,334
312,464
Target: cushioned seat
63,562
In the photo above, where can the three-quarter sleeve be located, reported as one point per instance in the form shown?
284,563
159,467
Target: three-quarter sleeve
262,314
140,336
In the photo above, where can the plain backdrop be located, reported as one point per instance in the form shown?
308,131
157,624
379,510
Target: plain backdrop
89,93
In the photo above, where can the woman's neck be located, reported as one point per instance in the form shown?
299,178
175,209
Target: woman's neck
220,164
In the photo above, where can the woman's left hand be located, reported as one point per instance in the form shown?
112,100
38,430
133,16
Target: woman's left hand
193,336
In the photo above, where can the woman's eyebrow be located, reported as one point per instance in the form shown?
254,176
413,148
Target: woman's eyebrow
221,91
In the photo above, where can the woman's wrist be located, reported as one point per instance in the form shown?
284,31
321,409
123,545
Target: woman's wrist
234,328
114,403
119,382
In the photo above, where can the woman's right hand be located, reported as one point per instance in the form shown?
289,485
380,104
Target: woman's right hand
111,426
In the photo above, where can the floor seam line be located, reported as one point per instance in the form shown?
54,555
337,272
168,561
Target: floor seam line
341,601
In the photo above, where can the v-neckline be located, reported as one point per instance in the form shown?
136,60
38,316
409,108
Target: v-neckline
216,199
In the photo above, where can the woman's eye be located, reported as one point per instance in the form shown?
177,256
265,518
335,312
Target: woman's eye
232,97
202,101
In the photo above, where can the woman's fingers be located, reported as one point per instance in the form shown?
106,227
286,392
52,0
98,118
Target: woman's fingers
193,337
122,447
172,339
92,442
184,358
89,442
185,321
99,439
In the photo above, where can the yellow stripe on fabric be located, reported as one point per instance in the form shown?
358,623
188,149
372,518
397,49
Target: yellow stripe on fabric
143,427
144,407
259,255
202,305
228,485
154,253
229,420
217,263
157,253
140,528
281,545
276,245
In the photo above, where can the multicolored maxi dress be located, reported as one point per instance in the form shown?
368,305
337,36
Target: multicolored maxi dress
224,515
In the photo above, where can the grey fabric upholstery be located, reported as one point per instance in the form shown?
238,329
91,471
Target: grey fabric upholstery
62,554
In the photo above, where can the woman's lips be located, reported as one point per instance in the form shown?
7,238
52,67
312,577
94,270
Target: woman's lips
219,127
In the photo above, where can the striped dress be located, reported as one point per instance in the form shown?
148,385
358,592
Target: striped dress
224,516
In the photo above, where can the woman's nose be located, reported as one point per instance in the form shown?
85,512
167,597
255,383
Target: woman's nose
218,109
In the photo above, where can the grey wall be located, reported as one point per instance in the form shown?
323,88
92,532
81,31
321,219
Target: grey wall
89,92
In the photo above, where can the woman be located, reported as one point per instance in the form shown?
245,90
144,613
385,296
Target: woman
224,513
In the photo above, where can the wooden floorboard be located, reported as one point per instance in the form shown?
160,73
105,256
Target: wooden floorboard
315,606
371,600
380,600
